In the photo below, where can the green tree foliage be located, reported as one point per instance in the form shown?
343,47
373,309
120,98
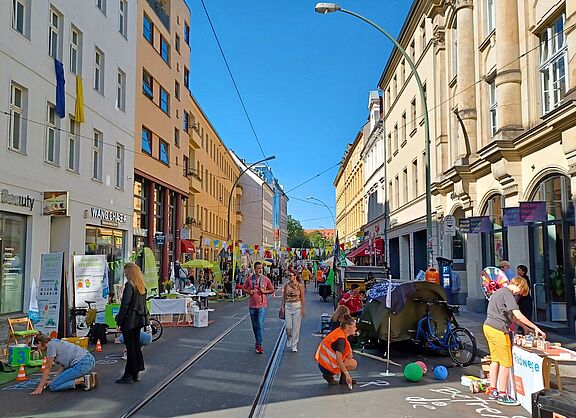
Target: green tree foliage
296,236
318,240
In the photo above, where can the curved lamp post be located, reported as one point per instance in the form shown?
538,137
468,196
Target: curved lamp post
229,206
324,8
325,205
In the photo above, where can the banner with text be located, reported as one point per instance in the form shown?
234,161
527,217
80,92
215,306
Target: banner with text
49,292
528,377
89,276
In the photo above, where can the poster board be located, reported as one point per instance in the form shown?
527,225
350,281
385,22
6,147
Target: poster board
90,274
528,377
49,292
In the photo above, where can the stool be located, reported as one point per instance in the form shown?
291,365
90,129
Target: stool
324,323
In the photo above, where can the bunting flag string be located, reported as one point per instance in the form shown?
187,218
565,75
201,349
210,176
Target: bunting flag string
266,250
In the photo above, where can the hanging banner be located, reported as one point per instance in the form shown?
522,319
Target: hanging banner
528,375
49,292
475,225
532,211
150,270
511,217
89,276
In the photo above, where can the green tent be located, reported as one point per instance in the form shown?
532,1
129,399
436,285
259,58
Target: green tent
374,320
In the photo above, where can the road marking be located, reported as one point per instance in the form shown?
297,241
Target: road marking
374,383
106,362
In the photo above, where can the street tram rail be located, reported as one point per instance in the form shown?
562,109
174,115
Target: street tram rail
259,403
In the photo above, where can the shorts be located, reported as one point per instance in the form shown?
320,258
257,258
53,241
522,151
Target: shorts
500,346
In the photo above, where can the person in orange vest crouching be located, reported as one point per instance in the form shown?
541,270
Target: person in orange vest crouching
334,354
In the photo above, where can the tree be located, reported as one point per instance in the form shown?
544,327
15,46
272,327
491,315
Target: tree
318,239
296,235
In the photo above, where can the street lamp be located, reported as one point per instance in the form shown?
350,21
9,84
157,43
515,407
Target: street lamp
326,206
324,8
229,206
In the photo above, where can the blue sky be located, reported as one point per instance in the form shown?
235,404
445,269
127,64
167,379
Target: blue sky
304,78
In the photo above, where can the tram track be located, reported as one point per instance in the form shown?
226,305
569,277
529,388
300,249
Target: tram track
260,399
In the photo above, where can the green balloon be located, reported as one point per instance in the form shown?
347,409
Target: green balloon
413,372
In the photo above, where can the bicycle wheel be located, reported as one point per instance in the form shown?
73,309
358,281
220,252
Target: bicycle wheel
157,329
462,346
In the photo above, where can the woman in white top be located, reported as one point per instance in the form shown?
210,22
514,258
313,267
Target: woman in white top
293,306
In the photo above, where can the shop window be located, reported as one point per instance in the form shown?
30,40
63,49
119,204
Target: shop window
494,243
111,243
12,257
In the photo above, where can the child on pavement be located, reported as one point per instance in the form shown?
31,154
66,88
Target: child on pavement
502,311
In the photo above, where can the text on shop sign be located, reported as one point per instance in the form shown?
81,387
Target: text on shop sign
107,215
17,200
535,367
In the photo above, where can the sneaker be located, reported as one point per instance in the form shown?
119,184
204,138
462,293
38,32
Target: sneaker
507,400
330,379
87,382
93,379
294,349
259,349
125,355
493,396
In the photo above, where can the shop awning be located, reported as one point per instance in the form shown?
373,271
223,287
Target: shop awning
187,246
365,250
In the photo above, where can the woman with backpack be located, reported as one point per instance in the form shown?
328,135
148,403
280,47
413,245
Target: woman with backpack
131,318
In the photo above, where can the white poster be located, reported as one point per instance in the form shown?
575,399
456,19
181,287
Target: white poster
49,291
528,377
89,284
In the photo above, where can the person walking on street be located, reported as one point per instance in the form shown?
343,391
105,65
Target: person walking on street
76,365
131,318
305,276
293,306
334,354
258,287
181,275
502,311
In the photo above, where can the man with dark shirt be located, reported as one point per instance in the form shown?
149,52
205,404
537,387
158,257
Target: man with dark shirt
502,311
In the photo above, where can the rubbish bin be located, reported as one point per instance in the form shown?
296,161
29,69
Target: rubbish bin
550,403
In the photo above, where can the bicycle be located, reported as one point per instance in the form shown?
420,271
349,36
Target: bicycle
155,326
458,341
82,318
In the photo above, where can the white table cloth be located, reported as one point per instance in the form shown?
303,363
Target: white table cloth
167,306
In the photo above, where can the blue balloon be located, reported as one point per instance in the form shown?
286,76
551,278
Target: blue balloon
440,373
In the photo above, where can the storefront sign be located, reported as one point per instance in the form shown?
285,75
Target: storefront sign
475,225
140,232
532,211
112,224
106,215
55,203
511,216
16,200
90,283
49,290
528,376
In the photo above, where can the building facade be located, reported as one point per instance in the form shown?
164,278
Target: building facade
66,166
279,206
160,180
349,184
507,70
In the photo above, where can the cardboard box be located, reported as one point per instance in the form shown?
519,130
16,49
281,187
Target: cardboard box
79,341
201,318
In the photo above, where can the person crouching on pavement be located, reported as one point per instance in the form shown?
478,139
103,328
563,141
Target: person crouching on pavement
76,365
334,354
502,310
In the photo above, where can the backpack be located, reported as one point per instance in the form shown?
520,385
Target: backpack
98,332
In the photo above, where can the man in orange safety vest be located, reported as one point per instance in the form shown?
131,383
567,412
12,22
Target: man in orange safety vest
334,354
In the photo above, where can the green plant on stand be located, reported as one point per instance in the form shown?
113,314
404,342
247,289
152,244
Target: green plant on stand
557,284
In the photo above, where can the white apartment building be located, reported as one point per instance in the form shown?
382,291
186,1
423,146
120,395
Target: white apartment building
256,207
46,147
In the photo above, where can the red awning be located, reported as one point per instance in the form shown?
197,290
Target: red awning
187,246
365,250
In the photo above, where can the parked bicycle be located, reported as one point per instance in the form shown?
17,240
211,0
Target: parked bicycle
82,318
458,341
155,326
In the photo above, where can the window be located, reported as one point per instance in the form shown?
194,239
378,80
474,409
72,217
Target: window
73,145
147,85
402,72
101,5
21,17
403,129
164,50
490,16
186,33
186,163
493,108
390,196
397,189
75,51
164,101
553,64
405,185
415,177
395,138
388,98
123,18
187,78
177,89
18,105
148,29
185,118
412,51
54,32
146,141
454,52
52,151
395,86
121,90
177,137
177,43
164,154
97,145
423,35
99,71
119,165
413,114
389,146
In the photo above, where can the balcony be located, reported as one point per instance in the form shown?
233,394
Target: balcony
162,10
238,217
195,139
195,181
239,190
